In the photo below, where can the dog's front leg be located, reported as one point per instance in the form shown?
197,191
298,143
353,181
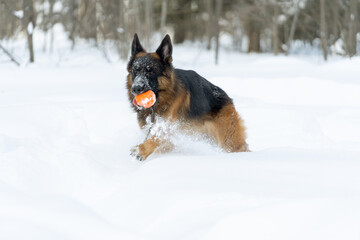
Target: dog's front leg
152,144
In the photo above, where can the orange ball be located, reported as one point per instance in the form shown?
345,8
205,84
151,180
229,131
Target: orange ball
146,99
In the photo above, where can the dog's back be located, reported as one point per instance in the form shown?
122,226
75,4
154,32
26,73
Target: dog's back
206,98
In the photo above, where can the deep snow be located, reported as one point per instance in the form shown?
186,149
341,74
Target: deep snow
66,129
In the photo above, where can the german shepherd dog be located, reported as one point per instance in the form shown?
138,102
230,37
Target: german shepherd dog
182,97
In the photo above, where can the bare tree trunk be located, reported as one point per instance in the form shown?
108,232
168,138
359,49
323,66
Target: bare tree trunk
352,28
74,12
253,34
209,25
97,30
51,19
182,18
292,29
275,33
2,20
51,23
88,22
148,22
137,13
336,23
163,16
253,26
45,25
51,40
323,31
218,9
29,22
124,34
110,23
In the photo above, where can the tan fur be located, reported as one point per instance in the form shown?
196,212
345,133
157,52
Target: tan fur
226,128
153,144
154,55
229,130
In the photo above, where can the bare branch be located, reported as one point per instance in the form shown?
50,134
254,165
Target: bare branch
12,58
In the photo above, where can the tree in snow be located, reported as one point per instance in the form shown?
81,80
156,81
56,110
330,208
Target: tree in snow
29,23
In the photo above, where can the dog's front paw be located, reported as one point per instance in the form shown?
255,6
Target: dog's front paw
140,152
135,152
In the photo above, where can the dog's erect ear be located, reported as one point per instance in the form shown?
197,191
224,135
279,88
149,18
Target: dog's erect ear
136,46
165,49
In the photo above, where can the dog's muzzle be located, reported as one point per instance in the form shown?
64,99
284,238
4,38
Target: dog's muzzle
140,85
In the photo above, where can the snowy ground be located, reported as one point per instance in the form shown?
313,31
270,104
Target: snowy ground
65,170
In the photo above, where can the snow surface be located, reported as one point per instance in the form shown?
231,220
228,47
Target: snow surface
66,129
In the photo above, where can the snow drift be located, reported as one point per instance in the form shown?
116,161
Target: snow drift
66,129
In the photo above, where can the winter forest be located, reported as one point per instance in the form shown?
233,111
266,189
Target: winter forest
262,26
69,129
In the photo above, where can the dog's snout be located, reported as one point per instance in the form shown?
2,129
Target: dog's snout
140,85
137,88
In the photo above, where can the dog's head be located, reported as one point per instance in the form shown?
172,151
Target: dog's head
145,69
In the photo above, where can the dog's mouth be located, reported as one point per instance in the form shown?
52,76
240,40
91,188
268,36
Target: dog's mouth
135,102
144,100
134,99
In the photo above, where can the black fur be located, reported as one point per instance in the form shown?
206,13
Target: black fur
136,46
205,97
165,49
149,68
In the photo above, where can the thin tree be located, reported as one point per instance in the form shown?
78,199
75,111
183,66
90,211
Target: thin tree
209,24
275,32
323,30
163,16
352,28
218,9
293,27
74,6
29,23
123,36
336,23
136,10
148,22
51,23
